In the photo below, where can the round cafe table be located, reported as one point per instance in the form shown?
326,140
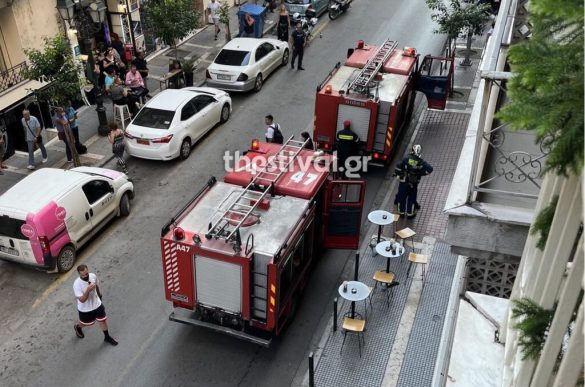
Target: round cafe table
381,218
389,249
355,291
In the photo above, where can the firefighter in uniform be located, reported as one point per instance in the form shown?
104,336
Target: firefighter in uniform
346,145
409,172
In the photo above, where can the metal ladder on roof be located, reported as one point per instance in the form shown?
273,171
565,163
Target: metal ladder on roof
250,198
361,83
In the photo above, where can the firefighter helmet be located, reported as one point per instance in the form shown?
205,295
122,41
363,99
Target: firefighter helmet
346,123
416,150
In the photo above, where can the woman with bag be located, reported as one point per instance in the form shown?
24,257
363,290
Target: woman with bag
60,121
32,133
116,138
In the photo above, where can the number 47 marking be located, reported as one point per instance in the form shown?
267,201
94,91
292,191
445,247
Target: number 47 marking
307,177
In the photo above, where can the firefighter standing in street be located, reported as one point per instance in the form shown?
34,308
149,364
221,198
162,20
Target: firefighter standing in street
347,146
409,172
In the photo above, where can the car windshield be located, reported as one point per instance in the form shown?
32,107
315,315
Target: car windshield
233,58
154,118
297,1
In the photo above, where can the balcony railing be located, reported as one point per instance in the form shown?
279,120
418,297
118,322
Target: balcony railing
12,76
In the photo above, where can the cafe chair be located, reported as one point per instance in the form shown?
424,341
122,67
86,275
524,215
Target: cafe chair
385,279
354,326
404,234
121,114
418,259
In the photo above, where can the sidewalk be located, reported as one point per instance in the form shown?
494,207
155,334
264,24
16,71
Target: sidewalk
201,46
402,341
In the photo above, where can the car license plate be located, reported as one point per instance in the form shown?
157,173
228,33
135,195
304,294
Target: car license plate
142,141
9,251
222,77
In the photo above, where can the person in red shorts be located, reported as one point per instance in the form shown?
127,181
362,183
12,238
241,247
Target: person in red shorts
89,304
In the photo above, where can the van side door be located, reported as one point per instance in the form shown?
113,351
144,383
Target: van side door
102,202
76,206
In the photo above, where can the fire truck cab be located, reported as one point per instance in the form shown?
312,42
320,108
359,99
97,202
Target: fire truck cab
237,256
375,90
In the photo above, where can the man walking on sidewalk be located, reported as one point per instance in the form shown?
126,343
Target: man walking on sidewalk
32,133
89,304
213,10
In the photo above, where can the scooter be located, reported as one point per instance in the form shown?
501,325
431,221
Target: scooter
337,7
308,22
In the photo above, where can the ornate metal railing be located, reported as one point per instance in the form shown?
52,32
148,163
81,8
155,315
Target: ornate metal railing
12,76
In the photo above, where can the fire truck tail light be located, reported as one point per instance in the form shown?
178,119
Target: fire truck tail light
162,140
179,233
255,145
360,44
326,146
45,246
376,156
328,89
243,77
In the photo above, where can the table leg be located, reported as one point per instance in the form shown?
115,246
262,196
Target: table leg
379,233
387,265
353,309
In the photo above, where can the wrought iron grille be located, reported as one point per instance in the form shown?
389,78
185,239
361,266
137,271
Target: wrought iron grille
12,76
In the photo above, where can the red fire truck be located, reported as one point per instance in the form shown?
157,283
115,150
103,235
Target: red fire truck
375,90
237,256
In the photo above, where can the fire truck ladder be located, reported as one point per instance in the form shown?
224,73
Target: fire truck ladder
361,83
228,225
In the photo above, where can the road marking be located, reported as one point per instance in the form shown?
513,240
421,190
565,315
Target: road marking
197,45
319,29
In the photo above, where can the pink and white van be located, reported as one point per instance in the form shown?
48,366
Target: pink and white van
47,216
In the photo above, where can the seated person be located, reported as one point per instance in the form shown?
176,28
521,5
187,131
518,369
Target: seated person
120,96
141,64
135,82
109,79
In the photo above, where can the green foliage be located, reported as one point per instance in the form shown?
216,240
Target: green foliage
546,95
173,19
457,18
54,63
188,66
532,323
543,221
224,18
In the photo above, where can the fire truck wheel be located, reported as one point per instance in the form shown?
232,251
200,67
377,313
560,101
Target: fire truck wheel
225,113
185,149
66,259
259,82
285,58
125,205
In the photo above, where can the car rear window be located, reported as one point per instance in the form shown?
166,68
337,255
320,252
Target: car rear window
233,58
154,118
10,227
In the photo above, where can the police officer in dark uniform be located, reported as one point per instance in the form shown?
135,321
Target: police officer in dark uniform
409,172
346,145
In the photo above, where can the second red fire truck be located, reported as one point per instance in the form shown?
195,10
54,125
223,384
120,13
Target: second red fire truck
375,89
237,256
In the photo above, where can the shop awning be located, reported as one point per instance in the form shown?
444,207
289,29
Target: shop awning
18,93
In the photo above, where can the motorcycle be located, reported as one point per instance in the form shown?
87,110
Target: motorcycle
308,22
337,7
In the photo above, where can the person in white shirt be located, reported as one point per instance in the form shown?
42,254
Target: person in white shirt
89,304
213,10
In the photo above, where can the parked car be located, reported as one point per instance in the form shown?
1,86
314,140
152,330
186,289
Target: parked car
171,122
47,216
244,63
300,7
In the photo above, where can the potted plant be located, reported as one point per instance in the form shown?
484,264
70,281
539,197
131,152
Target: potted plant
188,67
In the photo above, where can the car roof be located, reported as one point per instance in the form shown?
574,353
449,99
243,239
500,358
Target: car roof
243,44
37,189
171,99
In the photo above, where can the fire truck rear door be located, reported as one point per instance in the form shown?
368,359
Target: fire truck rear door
342,213
434,79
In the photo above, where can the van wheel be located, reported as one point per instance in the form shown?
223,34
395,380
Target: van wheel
66,259
185,149
125,205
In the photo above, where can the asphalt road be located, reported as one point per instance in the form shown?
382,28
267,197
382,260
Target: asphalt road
37,342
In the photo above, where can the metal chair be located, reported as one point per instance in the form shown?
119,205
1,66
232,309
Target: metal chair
406,233
385,279
418,259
